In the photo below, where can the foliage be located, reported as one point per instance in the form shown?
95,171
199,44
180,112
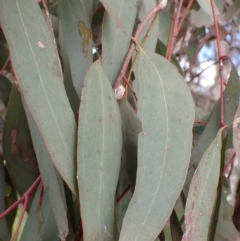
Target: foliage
101,139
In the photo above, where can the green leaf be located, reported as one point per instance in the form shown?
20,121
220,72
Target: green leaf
76,19
37,68
151,39
40,224
231,97
122,204
203,192
68,82
114,38
17,145
175,225
99,155
166,110
4,231
52,181
112,8
131,127
161,49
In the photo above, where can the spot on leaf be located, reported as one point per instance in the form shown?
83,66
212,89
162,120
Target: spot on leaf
86,34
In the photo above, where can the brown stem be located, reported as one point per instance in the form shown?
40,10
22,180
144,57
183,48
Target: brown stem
140,28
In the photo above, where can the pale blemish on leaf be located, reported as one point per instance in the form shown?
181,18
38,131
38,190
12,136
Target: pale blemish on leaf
86,34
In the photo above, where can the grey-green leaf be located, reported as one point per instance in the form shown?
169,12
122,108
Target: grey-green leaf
166,110
203,192
98,154
114,38
37,68
75,19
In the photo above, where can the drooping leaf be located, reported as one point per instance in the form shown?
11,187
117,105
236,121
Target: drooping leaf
231,97
111,7
17,145
99,155
37,69
51,179
161,49
114,38
75,19
40,224
203,192
4,231
151,39
67,77
131,127
176,229
123,196
166,110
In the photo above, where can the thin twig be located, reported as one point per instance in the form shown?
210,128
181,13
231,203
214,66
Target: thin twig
174,32
222,119
27,194
123,193
184,15
140,28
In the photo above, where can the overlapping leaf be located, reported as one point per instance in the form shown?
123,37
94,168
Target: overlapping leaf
203,192
166,111
99,154
116,36
37,68
40,224
75,19
17,145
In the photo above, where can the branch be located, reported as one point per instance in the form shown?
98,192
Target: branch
140,28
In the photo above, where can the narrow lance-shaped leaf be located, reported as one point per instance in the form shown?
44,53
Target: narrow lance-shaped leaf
52,181
166,111
99,154
202,193
75,19
17,145
37,68
131,127
115,38
40,224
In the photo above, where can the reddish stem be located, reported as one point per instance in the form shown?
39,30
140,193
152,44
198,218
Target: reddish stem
185,15
140,28
174,32
200,122
222,120
26,196
123,193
